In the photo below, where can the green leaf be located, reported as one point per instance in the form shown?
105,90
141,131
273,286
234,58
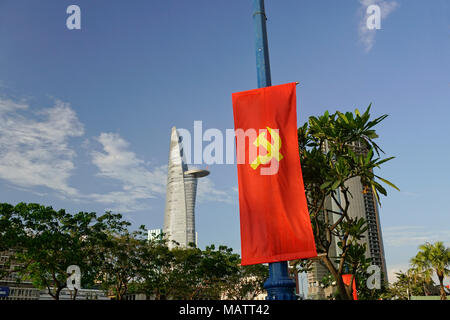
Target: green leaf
383,161
380,188
325,184
388,183
335,185
377,196
343,117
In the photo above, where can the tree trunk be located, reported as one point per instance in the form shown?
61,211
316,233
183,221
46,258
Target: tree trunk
339,282
75,294
424,289
58,292
441,285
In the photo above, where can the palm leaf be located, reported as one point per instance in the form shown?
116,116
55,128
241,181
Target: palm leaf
388,183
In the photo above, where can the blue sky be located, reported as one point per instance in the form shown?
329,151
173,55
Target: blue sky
86,114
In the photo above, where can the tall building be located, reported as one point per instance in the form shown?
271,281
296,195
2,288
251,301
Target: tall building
179,216
362,205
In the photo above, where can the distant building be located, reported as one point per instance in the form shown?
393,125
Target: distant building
155,234
425,298
179,216
136,296
362,205
10,288
315,290
82,294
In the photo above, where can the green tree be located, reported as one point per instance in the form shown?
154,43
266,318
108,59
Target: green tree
434,257
54,241
421,272
157,272
48,242
192,274
334,149
217,268
12,233
11,227
409,283
400,289
247,283
121,259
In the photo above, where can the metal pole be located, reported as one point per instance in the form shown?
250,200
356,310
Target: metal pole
279,285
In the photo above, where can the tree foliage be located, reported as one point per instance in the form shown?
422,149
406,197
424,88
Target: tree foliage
44,242
433,257
191,273
334,150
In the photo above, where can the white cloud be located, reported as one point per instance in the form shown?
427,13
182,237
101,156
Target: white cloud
413,236
207,191
35,152
34,149
403,243
137,180
11,106
366,36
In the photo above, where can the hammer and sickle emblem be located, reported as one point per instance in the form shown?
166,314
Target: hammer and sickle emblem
273,149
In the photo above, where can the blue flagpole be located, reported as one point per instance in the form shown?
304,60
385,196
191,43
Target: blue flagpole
279,285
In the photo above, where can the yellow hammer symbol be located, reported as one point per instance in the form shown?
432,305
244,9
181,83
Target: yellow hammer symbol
273,149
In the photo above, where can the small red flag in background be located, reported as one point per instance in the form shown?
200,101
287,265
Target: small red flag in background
275,223
347,278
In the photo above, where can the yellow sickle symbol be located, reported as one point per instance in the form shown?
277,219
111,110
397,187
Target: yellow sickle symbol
273,149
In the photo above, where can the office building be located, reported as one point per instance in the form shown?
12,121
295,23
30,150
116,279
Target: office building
179,216
363,204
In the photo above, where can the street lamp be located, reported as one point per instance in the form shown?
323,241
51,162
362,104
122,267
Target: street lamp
279,285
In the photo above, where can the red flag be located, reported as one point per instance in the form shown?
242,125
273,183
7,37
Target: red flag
347,278
275,224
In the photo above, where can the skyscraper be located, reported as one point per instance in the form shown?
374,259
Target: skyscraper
362,205
179,216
